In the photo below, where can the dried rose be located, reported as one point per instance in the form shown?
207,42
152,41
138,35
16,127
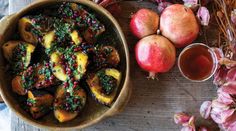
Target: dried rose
181,118
218,52
219,106
224,97
233,16
205,109
227,62
231,75
162,5
229,87
220,76
229,123
203,15
226,114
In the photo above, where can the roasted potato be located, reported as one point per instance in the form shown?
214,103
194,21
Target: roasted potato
82,62
58,70
44,76
11,47
39,102
17,86
24,27
48,39
91,35
96,89
62,115
76,38
111,55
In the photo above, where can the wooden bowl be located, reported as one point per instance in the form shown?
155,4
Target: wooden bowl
93,112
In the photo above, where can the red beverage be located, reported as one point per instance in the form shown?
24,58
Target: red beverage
197,62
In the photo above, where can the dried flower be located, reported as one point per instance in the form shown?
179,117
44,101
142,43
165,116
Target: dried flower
230,88
231,75
227,62
220,76
203,15
224,97
205,109
181,118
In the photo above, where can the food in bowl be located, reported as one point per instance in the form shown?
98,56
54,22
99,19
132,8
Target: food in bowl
58,58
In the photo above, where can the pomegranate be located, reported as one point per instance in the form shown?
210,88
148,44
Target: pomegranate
144,22
155,54
179,24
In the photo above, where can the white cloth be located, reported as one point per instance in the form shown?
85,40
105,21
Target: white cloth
5,118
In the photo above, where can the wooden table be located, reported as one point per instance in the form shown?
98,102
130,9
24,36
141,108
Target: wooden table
153,102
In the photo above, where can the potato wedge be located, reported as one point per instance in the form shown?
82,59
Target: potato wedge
17,86
111,55
57,69
11,47
24,26
62,115
75,37
48,39
97,90
40,103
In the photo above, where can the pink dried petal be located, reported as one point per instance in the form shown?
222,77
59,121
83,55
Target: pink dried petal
230,88
219,53
229,122
187,128
162,5
225,115
220,76
205,109
219,106
203,15
181,118
224,97
231,75
227,62
191,122
233,16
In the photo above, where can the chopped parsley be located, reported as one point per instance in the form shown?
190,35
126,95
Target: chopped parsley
107,82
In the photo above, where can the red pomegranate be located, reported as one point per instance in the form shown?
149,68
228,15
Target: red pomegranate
155,54
144,22
179,24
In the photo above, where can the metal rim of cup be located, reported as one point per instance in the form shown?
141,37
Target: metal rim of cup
214,58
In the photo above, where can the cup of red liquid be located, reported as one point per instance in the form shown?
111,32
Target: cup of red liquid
197,62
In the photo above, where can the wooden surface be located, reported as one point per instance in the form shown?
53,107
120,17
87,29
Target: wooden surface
153,102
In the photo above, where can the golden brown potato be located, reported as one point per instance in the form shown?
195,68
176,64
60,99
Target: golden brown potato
59,71
91,35
62,115
42,80
39,102
75,37
9,48
24,26
112,55
48,39
17,86
97,90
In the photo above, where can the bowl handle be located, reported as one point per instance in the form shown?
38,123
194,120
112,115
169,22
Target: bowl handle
4,22
124,99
